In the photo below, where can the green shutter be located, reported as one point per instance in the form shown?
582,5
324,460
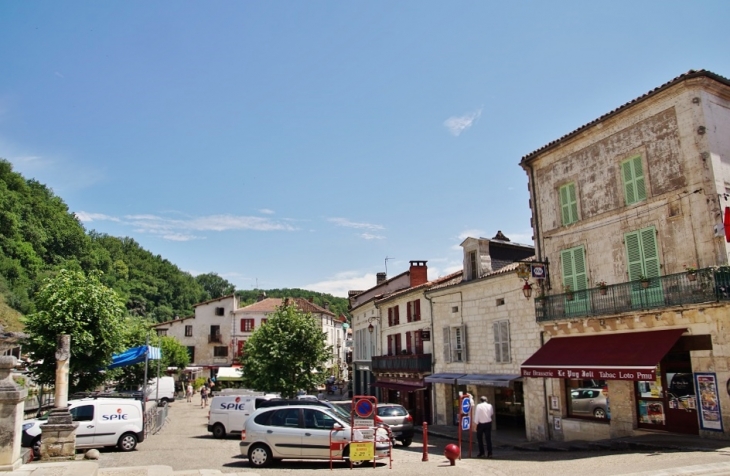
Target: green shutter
634,183
635,258
650,252
574,268
568,204
643,253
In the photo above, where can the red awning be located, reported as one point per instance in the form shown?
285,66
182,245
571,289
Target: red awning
627,356
399,386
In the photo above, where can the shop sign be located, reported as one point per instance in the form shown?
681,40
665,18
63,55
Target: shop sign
426,335
402,381
601,374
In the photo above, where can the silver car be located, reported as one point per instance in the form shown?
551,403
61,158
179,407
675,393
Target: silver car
588,401
300,432
399,421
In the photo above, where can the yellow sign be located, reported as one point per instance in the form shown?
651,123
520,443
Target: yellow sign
362,451
523,271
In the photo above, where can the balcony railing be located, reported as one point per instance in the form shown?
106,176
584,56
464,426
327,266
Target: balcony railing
214,338
704,285
402,363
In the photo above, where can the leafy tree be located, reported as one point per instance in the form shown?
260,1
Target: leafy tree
91,313
286,354
214,285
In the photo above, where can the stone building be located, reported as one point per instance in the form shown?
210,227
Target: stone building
483,329
628,212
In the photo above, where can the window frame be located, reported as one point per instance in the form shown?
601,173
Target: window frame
188,331
502,342
220,349
248,324
455,344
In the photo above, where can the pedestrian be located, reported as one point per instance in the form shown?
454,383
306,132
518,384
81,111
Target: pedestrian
483,417
189,392
203,396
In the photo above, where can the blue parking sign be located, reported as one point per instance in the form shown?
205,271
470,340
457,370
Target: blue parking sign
465,423
466,405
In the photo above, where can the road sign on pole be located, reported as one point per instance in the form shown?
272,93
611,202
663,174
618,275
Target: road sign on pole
465,423
466,405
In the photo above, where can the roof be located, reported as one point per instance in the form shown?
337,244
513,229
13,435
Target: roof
270,305
512,267
173,320
425,286
691,74
213,300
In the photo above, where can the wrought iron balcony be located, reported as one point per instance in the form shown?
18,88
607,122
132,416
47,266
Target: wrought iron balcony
703,285
402,363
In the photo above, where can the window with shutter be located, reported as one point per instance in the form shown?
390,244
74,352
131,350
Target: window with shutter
417,316
473,265
409,347
458,344
390,316
390,345
642,253
419,342
634,183
447,344
568,204
409,313
396,315
575,280
398,344
501,342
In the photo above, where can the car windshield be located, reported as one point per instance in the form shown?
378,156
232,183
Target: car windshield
341,413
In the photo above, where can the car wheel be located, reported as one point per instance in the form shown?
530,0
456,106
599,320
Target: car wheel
407,442
599,413
259,456
36,445
127,442
219,431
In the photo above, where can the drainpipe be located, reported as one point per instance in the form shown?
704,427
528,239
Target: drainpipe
433,358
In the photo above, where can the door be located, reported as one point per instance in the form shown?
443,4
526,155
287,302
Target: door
86,431
284,433
682,405
316,439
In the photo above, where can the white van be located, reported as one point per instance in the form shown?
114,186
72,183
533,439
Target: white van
166,390
103,422
228,413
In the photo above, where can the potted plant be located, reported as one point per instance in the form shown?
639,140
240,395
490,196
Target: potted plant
568,293
691,272
602,287
645,281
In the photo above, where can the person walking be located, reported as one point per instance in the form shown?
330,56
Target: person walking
203,396
483,418
189,392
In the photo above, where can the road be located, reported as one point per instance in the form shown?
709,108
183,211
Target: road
185,444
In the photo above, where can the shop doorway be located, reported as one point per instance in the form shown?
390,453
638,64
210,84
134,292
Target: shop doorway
670,402
509,406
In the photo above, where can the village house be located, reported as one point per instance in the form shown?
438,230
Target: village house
628,212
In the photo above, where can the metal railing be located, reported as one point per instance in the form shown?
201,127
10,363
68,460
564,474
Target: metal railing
701,286
404,363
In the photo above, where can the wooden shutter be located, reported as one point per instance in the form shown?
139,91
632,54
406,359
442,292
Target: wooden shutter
568,204
398,343
390,316
241,345
633,254
447,344
390,345
497,343
409,347
409,314
464,347
396,315
417,310
574,268
650,252
243,325
634,183
419,342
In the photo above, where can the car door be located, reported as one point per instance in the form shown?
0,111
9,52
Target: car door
317,428
86,431
579,401
284,433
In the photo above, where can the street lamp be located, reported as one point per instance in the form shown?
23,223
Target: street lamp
527,290
371,328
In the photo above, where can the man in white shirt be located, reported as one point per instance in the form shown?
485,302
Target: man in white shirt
483,417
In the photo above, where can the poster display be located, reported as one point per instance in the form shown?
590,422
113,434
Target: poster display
652,413
709,401
651,388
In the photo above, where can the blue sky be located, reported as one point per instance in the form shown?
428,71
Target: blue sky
300,143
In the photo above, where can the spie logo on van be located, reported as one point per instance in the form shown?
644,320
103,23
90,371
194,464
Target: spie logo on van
235,405
118,416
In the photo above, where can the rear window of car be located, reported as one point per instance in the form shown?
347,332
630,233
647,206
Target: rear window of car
392,411
263,418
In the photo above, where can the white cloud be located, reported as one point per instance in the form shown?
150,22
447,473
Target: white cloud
180,229
344,222
369,236
266,211
457,124
473,233
58,74
343,282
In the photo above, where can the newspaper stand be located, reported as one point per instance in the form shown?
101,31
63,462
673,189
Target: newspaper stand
362,417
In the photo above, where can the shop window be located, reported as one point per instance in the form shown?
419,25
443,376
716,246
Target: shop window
588,399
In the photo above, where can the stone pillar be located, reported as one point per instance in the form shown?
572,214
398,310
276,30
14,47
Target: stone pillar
12,404
58,435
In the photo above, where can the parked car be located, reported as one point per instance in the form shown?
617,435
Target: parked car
300,432
588,401
104,422
399,421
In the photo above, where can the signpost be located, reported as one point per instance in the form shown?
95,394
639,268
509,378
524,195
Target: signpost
465,406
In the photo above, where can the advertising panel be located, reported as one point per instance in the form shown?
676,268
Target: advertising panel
709,401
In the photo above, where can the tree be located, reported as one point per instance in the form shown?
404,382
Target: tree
286,354
214,285
91,313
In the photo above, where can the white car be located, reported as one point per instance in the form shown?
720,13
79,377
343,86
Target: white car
102,422
301,432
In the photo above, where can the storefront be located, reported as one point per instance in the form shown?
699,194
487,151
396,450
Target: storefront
504,391
414,395
648,376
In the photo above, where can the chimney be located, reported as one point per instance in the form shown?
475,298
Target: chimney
261,297
326,306
380,278
311,299
419,273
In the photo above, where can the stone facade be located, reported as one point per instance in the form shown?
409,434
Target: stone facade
12,402
679,133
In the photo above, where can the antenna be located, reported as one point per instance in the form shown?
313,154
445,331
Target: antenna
386,264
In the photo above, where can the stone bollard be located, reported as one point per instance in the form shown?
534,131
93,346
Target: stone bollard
12,404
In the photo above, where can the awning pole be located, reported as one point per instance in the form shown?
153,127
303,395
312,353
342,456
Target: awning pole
146,364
